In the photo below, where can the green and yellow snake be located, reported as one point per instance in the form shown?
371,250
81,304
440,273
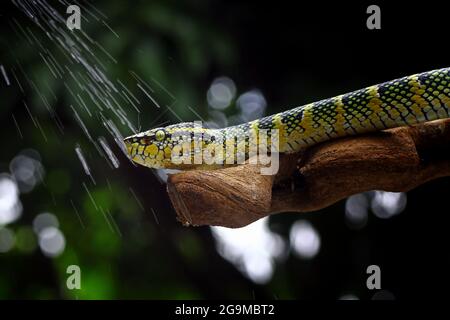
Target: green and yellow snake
405,101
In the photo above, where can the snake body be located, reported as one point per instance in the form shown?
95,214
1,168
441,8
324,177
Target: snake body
401,102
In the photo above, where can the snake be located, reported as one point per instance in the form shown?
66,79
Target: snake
405,101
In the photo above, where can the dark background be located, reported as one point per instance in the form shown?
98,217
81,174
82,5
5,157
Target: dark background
294,54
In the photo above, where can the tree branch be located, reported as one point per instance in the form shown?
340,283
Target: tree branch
393,160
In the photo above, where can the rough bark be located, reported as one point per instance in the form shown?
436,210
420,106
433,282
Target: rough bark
393,160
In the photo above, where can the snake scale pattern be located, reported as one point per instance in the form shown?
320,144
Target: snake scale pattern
401,102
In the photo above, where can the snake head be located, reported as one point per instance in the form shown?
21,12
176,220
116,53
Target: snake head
154,148
150,148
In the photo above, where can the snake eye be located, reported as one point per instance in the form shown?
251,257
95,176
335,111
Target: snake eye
160,135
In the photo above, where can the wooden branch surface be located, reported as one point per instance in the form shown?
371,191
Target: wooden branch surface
393,160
